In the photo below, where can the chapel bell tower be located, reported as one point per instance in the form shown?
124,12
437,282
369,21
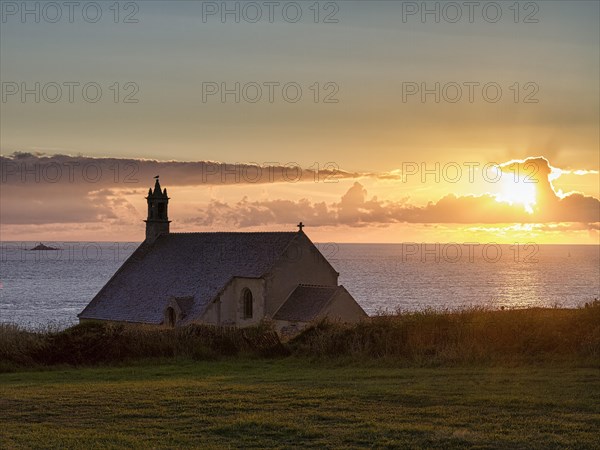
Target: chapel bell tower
158,221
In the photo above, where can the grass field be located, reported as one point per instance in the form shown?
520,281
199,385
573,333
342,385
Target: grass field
290,402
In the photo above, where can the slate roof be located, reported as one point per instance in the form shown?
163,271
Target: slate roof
180,265
306,302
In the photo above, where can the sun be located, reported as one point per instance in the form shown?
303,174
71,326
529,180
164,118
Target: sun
517,190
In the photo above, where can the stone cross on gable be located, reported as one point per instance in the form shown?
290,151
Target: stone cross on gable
300,226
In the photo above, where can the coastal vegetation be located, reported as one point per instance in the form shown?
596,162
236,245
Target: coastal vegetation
475,378
424,338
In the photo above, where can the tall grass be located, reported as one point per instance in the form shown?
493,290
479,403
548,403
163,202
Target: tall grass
470,336
417,338
95,343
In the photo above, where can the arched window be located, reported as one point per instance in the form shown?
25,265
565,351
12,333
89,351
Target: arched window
247,298
170,317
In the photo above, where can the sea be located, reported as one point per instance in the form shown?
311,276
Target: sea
47,289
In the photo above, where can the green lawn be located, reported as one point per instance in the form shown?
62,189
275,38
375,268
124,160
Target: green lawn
289,403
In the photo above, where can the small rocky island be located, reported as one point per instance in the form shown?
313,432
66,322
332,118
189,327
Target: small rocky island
42,247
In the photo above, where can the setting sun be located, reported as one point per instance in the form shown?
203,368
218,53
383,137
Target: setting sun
518,190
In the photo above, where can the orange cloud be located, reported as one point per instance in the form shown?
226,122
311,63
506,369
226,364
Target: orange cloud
92,196
357,210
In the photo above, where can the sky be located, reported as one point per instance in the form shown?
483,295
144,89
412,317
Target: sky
370,121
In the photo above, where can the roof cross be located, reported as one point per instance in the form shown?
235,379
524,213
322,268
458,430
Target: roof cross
300,226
